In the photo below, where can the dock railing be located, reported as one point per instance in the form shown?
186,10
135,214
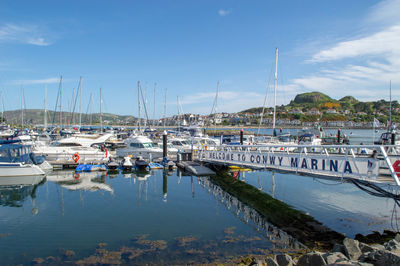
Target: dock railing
374,163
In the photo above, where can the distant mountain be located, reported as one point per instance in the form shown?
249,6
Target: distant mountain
36,117
312,97
349,99
321,101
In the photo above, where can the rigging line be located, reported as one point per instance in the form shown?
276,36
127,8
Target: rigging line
265,100
55,108
90,101
282,82
75,100
144,103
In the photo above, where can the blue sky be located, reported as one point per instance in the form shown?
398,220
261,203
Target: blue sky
337,47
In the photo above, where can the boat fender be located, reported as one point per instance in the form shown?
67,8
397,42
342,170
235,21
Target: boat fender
76,175
106,152
396,167
75,157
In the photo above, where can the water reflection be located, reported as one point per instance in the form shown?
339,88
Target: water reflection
14,191
91,181
279,238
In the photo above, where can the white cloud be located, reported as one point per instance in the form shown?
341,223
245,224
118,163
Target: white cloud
29,34
385,12
384,43
224,12
364,65
37,81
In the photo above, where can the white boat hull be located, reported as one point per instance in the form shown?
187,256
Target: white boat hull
66,155
18,169
145,154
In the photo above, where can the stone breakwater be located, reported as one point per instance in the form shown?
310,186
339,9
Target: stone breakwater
350,252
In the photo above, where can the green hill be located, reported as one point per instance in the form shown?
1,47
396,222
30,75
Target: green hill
312,98
36,117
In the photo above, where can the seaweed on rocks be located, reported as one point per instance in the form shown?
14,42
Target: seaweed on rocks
303,227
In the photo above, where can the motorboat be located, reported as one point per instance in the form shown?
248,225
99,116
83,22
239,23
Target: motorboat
17,159
170,148
86,140
5,131
235,139
112,165
127,164
71,152
183,145
309,139
387,137
140,146
141,164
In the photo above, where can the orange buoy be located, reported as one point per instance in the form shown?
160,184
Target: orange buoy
75,157
76,175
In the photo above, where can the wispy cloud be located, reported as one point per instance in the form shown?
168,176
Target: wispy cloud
385,12
23,33
361,66
384,43
37,81
224,12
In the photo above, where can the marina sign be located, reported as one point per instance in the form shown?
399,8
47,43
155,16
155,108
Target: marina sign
318,164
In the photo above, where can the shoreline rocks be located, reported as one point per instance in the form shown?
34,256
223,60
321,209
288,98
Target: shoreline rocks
350,252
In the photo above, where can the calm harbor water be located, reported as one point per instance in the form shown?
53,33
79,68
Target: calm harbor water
193,219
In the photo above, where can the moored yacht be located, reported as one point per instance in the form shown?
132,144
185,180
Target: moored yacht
71,152
17,159
140,146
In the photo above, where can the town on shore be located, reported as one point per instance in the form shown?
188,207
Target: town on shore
305,110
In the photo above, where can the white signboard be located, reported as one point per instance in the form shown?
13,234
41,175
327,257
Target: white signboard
332,165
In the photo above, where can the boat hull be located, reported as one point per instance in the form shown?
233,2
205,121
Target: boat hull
18,169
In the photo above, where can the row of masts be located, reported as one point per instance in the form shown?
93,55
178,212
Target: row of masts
59,106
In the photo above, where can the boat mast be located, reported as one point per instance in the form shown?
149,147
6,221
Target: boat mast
80,102
71,119
165,106
144,105
22,106
2,107
61,102
101,118
154,105
139,124
275,85
179,116
45,108
390,108
215,109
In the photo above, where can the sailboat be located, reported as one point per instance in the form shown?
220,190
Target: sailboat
281,139
391,136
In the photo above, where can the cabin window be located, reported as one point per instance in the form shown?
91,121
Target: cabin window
14,153
148,145
3,153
